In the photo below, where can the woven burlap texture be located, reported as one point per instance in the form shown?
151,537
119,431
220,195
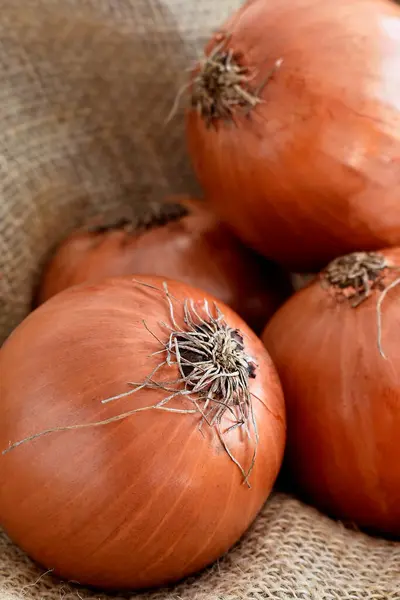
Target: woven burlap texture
291,552
85,89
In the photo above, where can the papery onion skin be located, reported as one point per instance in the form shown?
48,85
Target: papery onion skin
137,503
195,249
313,171
343,400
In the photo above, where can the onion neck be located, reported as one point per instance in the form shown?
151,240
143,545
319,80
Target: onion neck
355,275
222,85
150,216
224,348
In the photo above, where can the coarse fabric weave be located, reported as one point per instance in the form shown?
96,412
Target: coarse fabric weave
290,553
85,91
86,88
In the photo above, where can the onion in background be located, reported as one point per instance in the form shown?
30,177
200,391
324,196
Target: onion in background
182,241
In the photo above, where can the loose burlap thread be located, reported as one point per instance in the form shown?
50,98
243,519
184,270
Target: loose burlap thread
85,89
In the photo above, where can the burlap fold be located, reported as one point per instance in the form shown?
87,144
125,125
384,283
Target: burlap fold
85,90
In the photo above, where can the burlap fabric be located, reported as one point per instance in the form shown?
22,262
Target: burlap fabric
85,88
291,552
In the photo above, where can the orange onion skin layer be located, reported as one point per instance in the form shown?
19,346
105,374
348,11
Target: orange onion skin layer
140,502
343,401
314,171
196,249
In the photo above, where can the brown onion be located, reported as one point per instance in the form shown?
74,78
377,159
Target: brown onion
182,241
294,130
336,347
140,499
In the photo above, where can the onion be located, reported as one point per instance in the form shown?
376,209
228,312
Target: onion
336,347
311,168
109,483
182,241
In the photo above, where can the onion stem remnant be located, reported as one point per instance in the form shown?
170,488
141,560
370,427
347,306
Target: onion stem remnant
152,215
222,84
355,275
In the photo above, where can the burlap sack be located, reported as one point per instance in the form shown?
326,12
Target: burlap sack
85,88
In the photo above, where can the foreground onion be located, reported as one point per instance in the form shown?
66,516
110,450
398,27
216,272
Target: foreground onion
140,499
336,347
182,241
311,168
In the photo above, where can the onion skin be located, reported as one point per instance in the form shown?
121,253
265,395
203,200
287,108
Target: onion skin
343,401
137,503
314,171
196,249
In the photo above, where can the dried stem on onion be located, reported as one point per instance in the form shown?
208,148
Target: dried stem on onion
355,276
148,216
222,84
